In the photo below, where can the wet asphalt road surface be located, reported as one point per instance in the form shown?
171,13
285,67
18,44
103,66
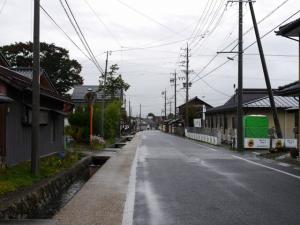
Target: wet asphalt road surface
179,181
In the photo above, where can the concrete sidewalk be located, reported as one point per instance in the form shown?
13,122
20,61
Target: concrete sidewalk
101,200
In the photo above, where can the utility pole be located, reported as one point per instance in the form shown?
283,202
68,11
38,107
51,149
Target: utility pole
129,114
170,106
140,117
187,84
35,128
266,73
104,94
165,104
175,92
240,135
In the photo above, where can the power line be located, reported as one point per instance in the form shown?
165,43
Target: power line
200,19
222,64
80,34
212,30
216,90
83,37
260,21
3,6
102,22
148,17
263,19
210,21
65,33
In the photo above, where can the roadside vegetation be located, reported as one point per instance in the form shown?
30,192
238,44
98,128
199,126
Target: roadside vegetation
19,176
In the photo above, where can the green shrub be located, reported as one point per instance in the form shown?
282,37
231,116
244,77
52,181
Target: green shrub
80,121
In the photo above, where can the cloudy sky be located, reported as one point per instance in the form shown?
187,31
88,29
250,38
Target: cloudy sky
146,38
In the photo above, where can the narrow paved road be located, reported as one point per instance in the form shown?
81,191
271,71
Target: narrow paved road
182,182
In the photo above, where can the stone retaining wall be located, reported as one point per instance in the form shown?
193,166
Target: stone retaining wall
23,203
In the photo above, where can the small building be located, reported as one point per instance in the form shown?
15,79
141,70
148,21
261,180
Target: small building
292,31
80,91
197,108
16,115
255,102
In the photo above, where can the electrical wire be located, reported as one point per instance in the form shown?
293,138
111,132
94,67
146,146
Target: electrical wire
206,16
80,34
199,20
104,25
216,90
65,33
211,31
148,17
3,6
84,39
260,21
266,34
210,22
251,28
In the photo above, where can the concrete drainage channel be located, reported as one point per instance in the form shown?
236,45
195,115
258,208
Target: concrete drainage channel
47,198
38,204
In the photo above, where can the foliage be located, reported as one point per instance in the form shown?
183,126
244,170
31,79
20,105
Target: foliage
151,115
112,119
114,82
80,121
19,176
63,71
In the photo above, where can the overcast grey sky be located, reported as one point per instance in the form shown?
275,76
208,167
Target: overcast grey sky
164,26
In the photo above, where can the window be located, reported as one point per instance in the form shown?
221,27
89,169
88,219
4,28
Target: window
27,116
233,123
53,128
225,122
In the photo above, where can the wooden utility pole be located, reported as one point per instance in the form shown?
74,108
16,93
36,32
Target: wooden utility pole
174,80
140,117
104,95
187,87
266,73
240,135
165,104
35,128
129,114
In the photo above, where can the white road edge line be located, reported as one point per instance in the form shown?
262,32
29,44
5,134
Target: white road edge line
208,147
130,196
268,167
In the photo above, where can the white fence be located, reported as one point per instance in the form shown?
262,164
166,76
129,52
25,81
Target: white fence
214,140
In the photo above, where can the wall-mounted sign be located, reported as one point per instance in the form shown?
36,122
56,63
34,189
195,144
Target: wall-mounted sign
290,143
257,143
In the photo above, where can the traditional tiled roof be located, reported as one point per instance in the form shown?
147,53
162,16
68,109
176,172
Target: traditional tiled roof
255,98
291,29
292,89
280,102
3,61
22,82
80,91
249,94
197,100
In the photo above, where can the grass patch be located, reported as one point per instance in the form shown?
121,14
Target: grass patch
19,176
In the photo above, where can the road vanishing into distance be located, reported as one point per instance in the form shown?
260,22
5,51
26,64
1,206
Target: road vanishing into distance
179,181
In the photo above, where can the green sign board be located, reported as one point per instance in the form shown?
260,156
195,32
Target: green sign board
256,126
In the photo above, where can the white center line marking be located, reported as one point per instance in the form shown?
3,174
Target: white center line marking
268,167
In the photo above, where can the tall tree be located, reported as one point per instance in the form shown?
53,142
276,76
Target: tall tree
114,82
55,61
